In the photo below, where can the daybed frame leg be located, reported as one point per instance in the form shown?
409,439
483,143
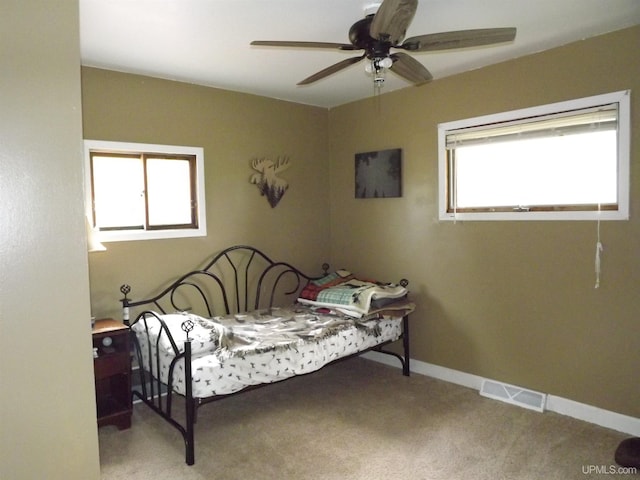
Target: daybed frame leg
190,406
405,345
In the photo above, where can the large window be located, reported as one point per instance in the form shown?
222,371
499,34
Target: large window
141,191
564,161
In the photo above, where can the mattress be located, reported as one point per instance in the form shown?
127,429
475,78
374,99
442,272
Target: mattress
233,352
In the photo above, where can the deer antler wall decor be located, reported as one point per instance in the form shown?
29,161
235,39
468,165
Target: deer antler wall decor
269,184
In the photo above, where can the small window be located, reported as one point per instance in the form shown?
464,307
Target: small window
141,191
564,161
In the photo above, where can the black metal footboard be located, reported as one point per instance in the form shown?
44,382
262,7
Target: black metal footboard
155,393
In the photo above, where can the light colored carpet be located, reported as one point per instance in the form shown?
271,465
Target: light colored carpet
359,419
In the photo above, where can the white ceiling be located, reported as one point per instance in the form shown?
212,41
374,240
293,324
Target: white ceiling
206,42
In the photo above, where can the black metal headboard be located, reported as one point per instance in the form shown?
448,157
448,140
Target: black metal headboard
238,279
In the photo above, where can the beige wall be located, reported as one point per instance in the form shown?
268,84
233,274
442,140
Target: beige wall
233,128
47,406
513,301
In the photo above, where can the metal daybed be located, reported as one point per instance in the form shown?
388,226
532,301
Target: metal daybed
244,320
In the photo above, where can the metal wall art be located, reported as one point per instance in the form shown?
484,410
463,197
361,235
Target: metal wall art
269,184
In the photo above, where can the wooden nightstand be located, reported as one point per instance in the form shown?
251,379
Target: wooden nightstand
112,371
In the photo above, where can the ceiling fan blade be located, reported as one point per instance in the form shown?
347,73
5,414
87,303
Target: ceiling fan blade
392,19
330,70
278,43
409,68
458,39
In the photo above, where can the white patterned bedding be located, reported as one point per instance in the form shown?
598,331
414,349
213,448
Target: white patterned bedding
236,351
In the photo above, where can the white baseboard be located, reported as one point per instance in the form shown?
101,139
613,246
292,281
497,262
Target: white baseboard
563,406
596,415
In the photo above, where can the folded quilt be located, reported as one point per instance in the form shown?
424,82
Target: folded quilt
345,292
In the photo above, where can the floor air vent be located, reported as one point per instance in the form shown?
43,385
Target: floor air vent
514,395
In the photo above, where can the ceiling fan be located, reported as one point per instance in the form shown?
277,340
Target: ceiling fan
378,33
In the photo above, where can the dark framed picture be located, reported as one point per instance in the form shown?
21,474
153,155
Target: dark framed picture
379,174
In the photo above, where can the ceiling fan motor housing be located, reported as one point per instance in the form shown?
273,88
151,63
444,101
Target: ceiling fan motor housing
359,36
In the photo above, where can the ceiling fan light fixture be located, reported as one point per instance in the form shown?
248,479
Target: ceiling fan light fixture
377,68
377,64
385,62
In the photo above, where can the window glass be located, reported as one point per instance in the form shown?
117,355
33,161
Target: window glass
169,192
534,172
125,176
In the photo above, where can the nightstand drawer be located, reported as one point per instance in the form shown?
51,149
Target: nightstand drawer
111,364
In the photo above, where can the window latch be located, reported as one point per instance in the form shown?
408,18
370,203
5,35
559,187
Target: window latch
521,208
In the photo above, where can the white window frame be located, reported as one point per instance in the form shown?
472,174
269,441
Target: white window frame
127,147
623,161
